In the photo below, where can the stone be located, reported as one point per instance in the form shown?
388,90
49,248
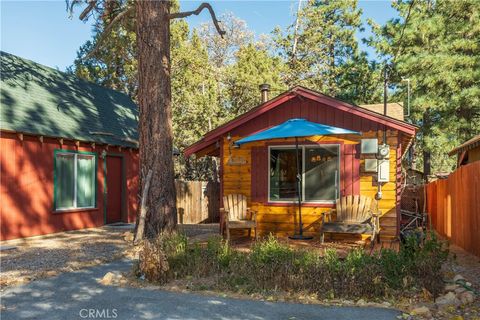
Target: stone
386,304
361,302
421,311
7,248
108,278
460,290
466,297
111,278
451,287
458,277
447,300
128,236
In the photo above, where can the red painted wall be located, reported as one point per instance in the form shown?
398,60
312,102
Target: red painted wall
310,110
26,188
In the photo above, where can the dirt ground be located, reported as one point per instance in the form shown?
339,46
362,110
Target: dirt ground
45,256
28,259
38,257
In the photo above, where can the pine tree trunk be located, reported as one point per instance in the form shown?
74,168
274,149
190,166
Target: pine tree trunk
155,123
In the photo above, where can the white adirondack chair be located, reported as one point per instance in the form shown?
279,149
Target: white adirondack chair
236,214
354,215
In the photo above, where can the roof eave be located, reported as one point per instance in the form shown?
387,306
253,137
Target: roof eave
211,136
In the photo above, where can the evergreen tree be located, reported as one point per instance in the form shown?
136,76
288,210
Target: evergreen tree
436,44
253,67
195,108
322,52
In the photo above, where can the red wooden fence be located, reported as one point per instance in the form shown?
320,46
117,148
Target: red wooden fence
453,205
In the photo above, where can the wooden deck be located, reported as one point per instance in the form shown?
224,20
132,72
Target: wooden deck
342,247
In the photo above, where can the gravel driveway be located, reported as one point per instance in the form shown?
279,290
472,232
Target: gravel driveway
43,256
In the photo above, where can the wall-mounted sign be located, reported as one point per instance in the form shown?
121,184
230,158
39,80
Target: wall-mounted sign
236,161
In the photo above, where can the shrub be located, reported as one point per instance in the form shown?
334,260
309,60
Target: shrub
273,266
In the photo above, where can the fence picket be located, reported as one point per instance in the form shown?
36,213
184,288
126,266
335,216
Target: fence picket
197,201
453,205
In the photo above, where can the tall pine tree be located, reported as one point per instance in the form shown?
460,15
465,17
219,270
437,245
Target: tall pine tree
436,44
322,52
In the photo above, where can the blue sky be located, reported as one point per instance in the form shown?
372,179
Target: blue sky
42,31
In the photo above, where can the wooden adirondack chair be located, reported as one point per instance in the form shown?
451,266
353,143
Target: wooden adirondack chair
236,215
355,215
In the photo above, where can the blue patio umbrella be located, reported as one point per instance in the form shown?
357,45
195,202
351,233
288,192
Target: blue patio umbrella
295,128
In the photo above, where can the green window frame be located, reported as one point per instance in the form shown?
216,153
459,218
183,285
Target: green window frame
75,180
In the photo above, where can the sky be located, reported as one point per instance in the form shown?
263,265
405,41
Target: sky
43,32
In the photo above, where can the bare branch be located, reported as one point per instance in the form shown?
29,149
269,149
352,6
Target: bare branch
196,12
88,9
119,17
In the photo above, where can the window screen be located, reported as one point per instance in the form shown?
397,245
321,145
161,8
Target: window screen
321,173
319,166
75,183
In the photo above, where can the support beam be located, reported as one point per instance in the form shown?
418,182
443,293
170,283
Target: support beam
60,141
20,136
40,139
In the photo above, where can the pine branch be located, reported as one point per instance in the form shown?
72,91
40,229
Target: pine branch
88,9
196,12
119,17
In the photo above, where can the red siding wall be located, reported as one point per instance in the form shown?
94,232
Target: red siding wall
309,110
26,193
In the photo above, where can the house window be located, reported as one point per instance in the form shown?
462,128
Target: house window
319,167
75,183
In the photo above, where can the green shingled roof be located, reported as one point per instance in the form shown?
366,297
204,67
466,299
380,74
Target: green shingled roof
40,100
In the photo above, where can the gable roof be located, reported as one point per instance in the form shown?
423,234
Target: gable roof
467,145
39,100
210,137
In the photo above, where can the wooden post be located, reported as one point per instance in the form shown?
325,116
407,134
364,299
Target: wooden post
143,210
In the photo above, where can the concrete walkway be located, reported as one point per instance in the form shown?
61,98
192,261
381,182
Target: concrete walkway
78,295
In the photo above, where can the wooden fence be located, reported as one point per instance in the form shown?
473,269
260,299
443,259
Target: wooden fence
454,207
198,201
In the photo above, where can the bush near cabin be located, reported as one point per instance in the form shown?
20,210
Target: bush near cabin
274,267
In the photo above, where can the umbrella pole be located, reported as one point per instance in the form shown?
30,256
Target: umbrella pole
300,235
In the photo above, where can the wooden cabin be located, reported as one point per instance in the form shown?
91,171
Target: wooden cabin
68,152
332,166
467,152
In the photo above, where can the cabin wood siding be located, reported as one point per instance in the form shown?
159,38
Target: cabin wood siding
250,175
281,218
26,188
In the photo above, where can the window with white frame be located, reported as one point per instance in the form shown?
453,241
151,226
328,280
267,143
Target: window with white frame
319,167
75,183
